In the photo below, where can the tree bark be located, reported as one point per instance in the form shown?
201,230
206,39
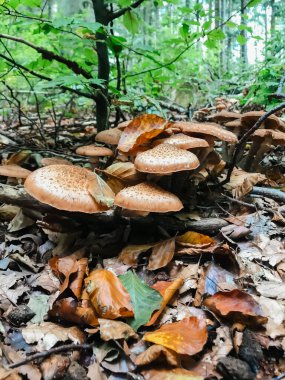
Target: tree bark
243,49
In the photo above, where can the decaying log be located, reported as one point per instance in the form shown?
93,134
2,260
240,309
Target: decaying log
16,195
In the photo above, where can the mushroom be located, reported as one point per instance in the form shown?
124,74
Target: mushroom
94,152
147,197
263,139
165,159
109,136
248,119
66,188
46,161
182,141
121,126
14,172
224,116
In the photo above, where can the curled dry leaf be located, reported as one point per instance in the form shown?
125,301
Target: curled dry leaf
167,290
241,182
110,329
101,191
108,295
195,240
237,306
140,130
162,254
172,374
130,254
48,334
155,353
71,310
73,270
187,336
124,171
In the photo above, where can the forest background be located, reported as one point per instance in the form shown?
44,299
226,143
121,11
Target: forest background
54,55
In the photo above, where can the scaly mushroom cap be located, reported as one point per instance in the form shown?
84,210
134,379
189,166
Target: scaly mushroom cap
207,129
250,118
14,171
224,116
94,151
276,137
165,158
234,124
64,187
54,161
147,197
110,136
183,141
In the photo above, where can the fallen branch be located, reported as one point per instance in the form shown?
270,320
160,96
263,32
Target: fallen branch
275,194
45,354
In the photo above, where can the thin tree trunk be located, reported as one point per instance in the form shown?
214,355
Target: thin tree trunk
243,49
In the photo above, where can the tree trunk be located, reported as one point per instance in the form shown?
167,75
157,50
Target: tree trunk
102,103
243,49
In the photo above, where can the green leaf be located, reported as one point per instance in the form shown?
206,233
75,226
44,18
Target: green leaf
241,40
231,24
145,300
253,3
217,34
184,30
210,44
131,22
207,25
2,2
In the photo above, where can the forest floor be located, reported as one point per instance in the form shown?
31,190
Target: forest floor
195,294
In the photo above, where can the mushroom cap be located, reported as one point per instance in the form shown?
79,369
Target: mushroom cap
65,188
276,137
14,171
109,136
207,129
250,118
183,141
121,126
165,158
94,151
221,106
224,116
46,161
234,124
147,197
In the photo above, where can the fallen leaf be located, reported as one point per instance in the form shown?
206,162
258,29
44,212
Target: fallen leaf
140,130
107,294
195,240
187,336
167,290
145,300
272,289
55,366
155,353
241,182
124,171
48,334
129,255
101,192
237,306
95,372
38,303
11,374
171,374
110,329
161,254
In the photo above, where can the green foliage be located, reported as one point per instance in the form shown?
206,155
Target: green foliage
145,300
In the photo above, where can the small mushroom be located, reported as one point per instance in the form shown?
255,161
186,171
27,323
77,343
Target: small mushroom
94,152
109,136
224,116
14,172
65,188
248,119
46,161
147,197
165,159
183,141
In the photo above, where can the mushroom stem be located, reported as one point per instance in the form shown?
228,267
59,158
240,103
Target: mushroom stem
265,147
250,156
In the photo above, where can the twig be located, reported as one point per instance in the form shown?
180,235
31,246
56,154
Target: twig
244,139
275,194
282,376
45,354
122,11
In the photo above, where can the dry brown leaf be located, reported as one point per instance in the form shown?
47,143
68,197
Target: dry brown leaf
129,255
167,290
48,334
241,182
236,306
108,295
171,374
11,374
124,171
187,336
140,130
110,329
195,240
272,289
54,367
95,372
155,353
161,254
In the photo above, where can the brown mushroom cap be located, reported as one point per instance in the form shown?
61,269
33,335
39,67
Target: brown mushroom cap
121,126
14,171
207,129
94,151
276,137
250,118
234,124
224,116
183,141
46,161
147,197
110,136
165,158
64,187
